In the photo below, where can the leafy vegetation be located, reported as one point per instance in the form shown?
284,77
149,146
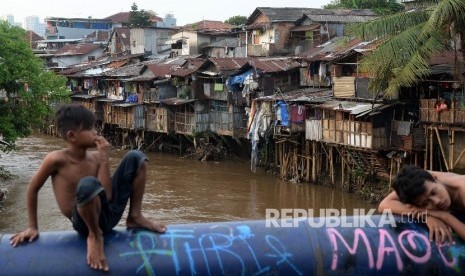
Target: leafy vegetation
139,18
409,40
381,7
27,91
236,20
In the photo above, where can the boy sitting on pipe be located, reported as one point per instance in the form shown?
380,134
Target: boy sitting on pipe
83,187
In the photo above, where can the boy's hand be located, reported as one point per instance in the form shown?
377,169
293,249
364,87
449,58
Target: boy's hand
415,211
438,230
29,234
103,146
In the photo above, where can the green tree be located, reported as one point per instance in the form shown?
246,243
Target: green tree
236,20
27,90
409,40
382,7
139,18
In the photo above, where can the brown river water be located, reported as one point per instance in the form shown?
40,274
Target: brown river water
178,190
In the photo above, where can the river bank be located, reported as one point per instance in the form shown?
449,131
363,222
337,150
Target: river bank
179,190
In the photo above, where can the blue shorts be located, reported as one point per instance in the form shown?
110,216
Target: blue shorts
111,211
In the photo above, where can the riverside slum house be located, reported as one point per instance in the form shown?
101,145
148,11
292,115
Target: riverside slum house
336,125
441,112
89,85
204,103
195,38
290,31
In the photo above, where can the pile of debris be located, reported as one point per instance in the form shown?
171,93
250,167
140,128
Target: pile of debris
203,150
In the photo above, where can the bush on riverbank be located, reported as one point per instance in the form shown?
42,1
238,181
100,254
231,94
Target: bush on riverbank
4,176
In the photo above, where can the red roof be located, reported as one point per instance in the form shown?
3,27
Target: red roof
123,17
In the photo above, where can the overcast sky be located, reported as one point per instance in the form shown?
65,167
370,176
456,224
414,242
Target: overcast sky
185,11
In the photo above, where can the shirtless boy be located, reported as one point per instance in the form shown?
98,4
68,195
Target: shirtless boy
83,187
417,192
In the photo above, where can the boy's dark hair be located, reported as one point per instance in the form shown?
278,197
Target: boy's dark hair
73,117
408,183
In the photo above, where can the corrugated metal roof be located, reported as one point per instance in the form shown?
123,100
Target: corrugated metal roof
108,100
339,18
182,72
351,107
190,66
77,49
86,96
177,101
126,71
287,14
161,70
310,95
226,64
126,104
146,76
337,48
270,65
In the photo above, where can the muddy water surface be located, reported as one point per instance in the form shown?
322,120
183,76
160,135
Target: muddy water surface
179,190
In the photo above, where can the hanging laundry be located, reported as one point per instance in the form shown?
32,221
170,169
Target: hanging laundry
298,114
282,110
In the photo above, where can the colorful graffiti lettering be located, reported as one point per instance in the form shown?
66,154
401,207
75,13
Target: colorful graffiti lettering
216,251
409,245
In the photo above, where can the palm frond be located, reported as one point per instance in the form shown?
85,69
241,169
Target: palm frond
416,66
402,59
388,25
445,13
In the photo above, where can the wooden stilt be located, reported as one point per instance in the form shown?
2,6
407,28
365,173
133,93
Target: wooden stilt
307,164
331,166
343,168
443,154
451,149
425,161
431,149
314,162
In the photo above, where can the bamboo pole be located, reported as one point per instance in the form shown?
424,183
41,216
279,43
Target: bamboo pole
425,161
307,154
331,166
443,154
390,173
342,169
314,162
296,160
431,149
451,149
458,158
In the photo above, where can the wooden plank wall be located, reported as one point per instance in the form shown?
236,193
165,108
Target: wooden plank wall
344,87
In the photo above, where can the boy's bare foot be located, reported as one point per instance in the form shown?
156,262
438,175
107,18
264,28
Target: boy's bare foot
141,221
95,254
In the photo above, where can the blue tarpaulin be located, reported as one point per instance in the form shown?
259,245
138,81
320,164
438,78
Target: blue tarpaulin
238,79
282,114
